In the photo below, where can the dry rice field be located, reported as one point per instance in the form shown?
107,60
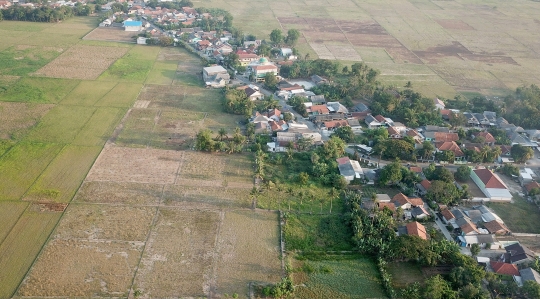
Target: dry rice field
110,34
481,46
82,62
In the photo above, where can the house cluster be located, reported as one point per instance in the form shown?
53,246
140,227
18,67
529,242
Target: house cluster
269,121
513,264
478,225
412,207
294,136
489,119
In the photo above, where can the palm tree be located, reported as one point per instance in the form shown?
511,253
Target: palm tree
222,133
332,193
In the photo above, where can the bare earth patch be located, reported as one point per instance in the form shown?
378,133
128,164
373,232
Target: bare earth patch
137,165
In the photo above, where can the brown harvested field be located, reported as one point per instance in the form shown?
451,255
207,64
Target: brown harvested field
82,62
83,268
136,165
497,34
248,251
179,255
119,193
111,34
18,118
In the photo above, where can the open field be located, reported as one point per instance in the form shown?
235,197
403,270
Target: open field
341,278
404,273
62,177
462,46
520,216
82,62
319,233
111,34
51,132
19,249
148,217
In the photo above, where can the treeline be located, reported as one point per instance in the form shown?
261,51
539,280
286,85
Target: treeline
374,234
407,106
169,5
44,13
525,103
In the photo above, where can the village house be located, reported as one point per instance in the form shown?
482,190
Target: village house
349,169
518,254
448,217
417,229
488,138
404,202
246,58
450,146
422,187
438,104
371,122
471,119
485,241
216,76
529,274
496,227
491,185
334,124
504,269
360,107
252,92
318,80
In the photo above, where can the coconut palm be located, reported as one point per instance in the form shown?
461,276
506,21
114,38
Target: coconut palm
222,133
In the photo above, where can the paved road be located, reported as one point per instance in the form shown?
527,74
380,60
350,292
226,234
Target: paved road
441,226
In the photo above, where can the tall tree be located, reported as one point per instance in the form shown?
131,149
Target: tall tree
521,153
292,37
276,36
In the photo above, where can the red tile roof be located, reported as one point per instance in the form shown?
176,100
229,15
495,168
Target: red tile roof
413,133
487,136
531,186
446,112
450,146
343,160
442,136
389,205
336,124
393,131
447,215
295,86
495,226
468,228
416,229
415,169
489,179
504,268
426,184
321,109
264,67
380,118
505,149
402,199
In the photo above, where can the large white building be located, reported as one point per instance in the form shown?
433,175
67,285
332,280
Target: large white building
491,185
215,76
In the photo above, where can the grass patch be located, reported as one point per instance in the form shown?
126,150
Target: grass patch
163,72
100,126
87,93
62,177
21,246
122,95
61,124
143,53
24,26
20,167
355,277
130,70
520,216
22,60
38,90
9,214
315,232
405,273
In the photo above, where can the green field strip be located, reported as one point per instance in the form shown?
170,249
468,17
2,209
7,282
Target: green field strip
163,72
38,90
61,124
23,60
128,70
143,53
10,211
21,246
122,95
87,93
100,127
20,167
64,175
